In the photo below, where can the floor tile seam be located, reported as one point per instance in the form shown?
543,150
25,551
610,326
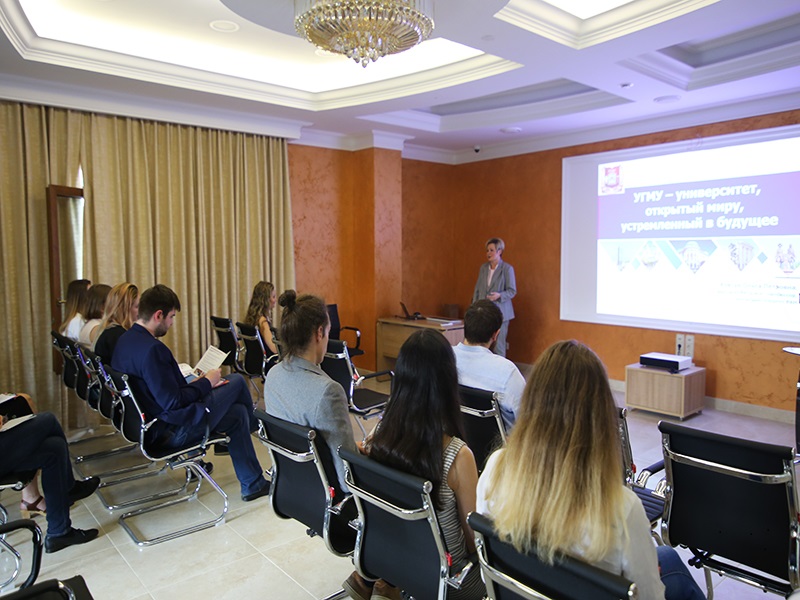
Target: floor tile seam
292,579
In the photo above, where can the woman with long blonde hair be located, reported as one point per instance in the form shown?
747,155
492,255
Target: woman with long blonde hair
121,311
557,486
259,313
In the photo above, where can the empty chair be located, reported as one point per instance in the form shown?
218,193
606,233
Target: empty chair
483,424
399,538
13,481
510,575
73,588
651,499
305,486
188,457
732,503
228,342
337,328
362,402
257,360
69,371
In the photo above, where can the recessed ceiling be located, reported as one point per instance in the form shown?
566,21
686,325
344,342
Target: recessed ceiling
541,68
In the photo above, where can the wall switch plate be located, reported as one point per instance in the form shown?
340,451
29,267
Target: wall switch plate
689,348
680,344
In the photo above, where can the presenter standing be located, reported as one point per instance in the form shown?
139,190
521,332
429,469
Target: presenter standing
496,282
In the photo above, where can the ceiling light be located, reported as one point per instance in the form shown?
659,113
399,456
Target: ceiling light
224,26
511,130
666,99
364,30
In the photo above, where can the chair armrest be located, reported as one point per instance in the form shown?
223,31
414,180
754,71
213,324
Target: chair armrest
37,542
358,334
647,472
457,580
362,378
336,509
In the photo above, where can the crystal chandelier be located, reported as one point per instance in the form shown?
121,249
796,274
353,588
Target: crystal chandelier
364,30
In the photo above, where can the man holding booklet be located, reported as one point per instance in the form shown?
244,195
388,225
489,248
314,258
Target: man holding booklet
187,411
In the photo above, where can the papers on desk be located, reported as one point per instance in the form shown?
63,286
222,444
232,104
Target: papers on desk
212,359
444,322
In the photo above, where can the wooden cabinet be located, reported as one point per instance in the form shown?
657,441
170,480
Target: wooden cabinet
676,394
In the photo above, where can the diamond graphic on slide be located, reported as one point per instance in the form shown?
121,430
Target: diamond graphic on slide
694,253
741,253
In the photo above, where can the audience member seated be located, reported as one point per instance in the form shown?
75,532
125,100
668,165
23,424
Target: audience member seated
421,434
121,312
479,367
77,297
187,411
297,389
259,313
39,443
556,487
94,314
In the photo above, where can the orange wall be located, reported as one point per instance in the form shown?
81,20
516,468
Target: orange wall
447,214
519,199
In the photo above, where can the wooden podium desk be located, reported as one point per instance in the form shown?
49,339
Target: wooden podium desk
393,331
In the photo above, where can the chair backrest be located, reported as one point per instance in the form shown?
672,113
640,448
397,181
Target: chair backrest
399,539
628,466
734,499
337,364
336,324
510,575
126,419
305,486
228,342
483,424
86,361
257,361
70,371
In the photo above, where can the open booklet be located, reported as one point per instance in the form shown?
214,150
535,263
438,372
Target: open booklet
211,360
15,410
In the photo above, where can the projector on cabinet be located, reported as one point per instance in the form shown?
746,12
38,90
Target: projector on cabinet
670,362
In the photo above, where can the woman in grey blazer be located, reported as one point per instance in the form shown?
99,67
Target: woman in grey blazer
297,389
496,282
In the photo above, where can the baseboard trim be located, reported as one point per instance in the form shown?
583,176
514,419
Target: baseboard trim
740,408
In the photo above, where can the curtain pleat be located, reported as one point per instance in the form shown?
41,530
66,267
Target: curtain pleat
203,211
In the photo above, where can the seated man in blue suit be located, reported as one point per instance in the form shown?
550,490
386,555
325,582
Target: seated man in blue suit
185,411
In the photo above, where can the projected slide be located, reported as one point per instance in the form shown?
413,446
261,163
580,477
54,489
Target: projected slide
710,236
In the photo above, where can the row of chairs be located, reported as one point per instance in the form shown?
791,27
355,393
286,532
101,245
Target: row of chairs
731,502
116,401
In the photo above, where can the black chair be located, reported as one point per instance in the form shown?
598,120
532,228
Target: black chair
483,423
257,359
13,481
73,588
228,342
362,402
189,457
305,486
399,539
652,499
510,575
337,328
732,503
69,372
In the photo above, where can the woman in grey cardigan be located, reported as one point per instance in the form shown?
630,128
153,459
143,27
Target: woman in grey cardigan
297,389
496,282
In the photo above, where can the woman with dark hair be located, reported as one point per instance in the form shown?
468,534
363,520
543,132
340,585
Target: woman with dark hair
259,313
421,433
77,297
297,389
94,313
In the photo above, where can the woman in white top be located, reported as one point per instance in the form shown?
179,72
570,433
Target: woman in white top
557,486
77,296
94,313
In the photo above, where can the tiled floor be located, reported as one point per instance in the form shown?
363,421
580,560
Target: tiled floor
256,555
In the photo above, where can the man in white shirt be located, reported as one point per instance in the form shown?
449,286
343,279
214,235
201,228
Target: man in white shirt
478,367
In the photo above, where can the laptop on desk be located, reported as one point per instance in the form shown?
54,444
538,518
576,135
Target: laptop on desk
415,317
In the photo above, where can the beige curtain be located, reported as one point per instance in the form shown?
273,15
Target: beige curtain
206,212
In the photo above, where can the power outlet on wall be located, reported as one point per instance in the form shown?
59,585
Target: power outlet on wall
680,344
689,348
